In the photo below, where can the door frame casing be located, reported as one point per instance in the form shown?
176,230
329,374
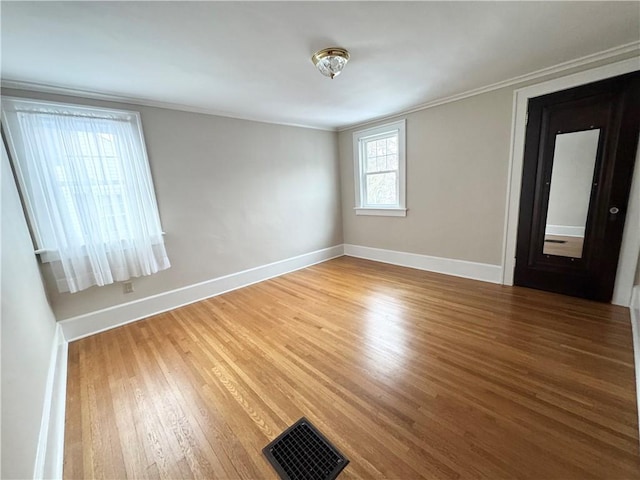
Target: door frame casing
630,249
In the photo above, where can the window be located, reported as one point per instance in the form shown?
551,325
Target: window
86,184
379,156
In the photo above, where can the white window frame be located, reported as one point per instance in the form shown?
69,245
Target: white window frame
359,139
8,109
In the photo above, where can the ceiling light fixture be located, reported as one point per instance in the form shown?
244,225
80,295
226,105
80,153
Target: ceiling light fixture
330,61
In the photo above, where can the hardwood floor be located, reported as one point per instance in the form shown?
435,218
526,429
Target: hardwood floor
411,374
563,246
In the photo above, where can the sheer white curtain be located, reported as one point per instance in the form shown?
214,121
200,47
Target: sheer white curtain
90,195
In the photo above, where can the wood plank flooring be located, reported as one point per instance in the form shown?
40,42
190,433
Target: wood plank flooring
570,246
411,374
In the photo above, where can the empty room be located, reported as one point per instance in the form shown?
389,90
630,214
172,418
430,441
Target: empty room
319,240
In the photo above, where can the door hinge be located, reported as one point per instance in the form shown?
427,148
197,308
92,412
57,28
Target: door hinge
526,119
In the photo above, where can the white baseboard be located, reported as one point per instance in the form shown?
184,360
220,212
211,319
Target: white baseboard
635,329
449,266
564,230
50,453
108,318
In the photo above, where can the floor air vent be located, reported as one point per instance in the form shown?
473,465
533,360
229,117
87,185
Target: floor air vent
302,452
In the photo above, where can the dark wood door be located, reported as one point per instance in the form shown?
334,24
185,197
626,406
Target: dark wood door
579,155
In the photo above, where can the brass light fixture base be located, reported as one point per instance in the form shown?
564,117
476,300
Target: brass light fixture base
330,61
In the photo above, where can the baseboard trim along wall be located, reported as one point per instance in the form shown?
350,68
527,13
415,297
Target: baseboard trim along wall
88,324
50,452
449,266
635,329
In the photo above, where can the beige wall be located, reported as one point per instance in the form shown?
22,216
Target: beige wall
233,194
28,329
457,162
457,177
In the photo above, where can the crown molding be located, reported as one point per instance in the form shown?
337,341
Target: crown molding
112,97
559,68
145,102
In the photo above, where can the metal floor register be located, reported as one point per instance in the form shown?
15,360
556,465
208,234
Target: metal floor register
302,452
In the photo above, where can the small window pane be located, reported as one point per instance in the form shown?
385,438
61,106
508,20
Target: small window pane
382,189
392,145
372,165
371,149
371,156
392,162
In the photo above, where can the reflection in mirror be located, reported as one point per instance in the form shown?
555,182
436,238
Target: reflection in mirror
574,160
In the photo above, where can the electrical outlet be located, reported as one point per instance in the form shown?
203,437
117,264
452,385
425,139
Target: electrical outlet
127,287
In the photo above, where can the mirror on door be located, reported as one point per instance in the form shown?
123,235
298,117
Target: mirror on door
574,161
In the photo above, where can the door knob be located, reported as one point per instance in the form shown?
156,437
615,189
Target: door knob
614,210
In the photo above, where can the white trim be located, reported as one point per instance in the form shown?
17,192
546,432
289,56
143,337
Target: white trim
108,318
561,67
9,104
113,97
630,248
520,99
635,329
389,212
449,266
50,451
400,129
564,230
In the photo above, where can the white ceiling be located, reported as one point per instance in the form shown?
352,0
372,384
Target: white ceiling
252,59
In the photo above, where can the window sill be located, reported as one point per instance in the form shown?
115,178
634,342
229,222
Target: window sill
47,256
382,212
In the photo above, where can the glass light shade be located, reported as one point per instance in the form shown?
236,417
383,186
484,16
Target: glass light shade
330,61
